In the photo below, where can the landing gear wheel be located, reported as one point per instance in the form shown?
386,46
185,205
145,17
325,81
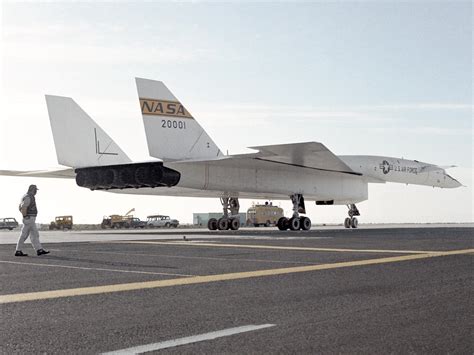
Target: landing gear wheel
294,223
347,222
212,224
234,224
305,223
354,222
223,224
282,224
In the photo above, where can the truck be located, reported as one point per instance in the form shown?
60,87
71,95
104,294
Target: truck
122,221
8,223
161,221
125,221
116,221
264,215
61,222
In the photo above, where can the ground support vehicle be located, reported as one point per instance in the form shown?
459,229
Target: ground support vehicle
118,221
161,221
264,215
61,222
8,223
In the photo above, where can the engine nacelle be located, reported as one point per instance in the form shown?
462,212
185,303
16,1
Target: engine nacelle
127,176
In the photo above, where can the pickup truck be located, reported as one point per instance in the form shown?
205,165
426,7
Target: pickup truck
8,223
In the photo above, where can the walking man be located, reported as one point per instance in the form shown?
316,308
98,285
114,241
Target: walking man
29,211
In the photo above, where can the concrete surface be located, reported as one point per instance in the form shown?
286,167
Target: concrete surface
376,290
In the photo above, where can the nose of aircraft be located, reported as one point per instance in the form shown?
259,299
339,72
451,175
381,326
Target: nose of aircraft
451,182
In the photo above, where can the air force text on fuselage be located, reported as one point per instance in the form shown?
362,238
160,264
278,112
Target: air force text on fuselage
386,167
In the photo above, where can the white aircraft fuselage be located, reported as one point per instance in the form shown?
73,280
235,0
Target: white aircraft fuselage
267,180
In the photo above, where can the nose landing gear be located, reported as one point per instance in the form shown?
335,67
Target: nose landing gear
296,222
352,221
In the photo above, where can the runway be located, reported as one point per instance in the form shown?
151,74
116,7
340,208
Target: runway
252,291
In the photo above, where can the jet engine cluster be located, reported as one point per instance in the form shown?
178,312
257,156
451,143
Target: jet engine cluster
127,176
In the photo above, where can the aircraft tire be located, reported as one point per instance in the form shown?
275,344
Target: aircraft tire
212,224
282,224
347,222
294,223
223,224
234,224
354,222
305,223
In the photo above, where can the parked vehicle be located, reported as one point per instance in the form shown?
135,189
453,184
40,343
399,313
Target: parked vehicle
61,222
137,223
8,223
161,221
264,215
118,221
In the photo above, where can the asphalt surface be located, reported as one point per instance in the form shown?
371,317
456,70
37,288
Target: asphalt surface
417,298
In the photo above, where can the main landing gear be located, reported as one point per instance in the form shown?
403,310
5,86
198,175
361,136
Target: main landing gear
296,222
230,219
351,221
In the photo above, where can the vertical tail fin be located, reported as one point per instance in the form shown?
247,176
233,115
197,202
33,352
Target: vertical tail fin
172,132
79,141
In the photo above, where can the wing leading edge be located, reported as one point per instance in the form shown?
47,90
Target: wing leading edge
310,155
313,155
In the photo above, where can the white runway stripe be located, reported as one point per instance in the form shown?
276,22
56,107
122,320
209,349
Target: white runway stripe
194,257
97,269
188,340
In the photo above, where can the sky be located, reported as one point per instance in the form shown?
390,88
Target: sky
371,78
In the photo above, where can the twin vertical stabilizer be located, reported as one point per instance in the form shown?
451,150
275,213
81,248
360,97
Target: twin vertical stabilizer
79,141
172,132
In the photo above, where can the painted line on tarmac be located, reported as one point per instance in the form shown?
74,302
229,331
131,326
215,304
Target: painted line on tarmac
43,295
189,340
192,257
278,247
97,269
